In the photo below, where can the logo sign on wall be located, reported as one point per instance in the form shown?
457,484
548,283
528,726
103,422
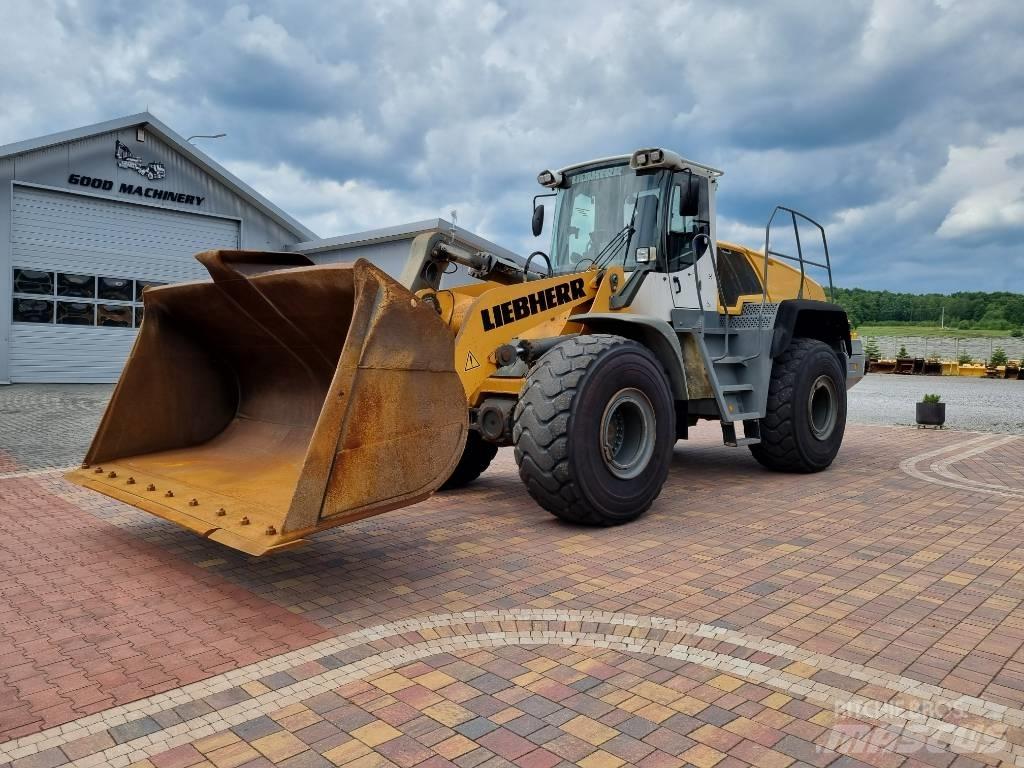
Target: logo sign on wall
152,171
126,159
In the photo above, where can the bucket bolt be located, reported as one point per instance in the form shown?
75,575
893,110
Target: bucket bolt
111,474
245,521
98,470
271,530
169,494
221,512
150,487
193,502
131,481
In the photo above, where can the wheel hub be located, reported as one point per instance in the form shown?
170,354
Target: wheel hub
627,433
822,411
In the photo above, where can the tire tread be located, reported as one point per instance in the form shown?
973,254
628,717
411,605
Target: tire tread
541,426
476,457
778,448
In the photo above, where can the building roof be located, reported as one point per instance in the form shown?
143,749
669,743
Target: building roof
156,127
402,232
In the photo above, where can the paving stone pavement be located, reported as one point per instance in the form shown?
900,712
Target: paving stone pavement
48,425
868,615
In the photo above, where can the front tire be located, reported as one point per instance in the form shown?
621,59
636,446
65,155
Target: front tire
806,416
594,430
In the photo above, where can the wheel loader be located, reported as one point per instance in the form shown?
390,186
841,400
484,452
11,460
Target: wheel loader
285,397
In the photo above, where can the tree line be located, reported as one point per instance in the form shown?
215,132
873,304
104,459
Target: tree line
1000,310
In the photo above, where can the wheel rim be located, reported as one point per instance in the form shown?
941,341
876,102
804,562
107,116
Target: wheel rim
822,411
627,433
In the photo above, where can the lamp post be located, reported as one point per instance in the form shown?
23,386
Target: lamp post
205,136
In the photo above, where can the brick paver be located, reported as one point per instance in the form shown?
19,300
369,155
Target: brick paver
92,617
748,619
48,425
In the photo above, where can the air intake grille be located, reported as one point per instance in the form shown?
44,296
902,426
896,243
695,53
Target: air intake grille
755,316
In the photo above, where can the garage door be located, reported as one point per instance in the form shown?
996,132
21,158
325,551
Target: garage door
80,264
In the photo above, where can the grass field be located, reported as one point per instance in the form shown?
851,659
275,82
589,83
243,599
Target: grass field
927,330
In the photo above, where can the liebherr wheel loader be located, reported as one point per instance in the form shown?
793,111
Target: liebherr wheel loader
284,397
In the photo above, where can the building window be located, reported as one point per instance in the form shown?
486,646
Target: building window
114,315
32,281
115,289
82,286
33,310
76,313
141,285
65,298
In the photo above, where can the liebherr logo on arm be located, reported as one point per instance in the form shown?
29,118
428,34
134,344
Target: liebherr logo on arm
532,303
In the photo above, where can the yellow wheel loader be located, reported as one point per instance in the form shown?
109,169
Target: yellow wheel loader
284,397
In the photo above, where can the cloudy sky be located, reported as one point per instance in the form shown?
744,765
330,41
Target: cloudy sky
899,123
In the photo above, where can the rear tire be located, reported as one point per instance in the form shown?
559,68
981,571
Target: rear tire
806,415
476,457
594,430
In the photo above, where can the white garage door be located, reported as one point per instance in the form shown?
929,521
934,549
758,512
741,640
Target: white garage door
80,264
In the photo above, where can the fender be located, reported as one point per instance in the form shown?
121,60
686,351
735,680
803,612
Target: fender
652,332
810,319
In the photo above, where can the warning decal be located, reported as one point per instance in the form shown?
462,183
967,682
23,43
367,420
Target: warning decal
471,362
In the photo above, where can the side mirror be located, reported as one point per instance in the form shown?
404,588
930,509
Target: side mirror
538,220
689,196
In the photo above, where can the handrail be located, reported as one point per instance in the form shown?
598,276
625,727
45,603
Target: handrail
799,258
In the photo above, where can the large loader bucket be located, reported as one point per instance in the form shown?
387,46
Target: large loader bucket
273,403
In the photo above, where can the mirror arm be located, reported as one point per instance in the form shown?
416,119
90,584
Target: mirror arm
537,222
538,197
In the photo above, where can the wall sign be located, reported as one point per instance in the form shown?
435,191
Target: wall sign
125,159
150,193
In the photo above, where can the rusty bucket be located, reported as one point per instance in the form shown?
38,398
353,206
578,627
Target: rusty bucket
280,399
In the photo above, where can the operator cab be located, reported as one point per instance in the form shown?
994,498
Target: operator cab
648,212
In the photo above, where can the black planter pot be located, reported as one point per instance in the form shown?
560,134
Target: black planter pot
931,414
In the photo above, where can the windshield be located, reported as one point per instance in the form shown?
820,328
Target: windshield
594,210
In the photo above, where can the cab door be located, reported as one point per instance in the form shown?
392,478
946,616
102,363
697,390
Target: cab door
690,230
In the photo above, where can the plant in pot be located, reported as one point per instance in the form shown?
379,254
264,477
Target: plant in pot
931,411
871,350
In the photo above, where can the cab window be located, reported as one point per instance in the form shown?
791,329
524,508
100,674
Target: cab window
689,217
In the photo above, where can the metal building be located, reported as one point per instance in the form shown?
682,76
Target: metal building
90,217
388,247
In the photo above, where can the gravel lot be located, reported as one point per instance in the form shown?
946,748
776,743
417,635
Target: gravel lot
988,405
50,425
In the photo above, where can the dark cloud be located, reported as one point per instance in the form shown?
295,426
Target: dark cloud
899,125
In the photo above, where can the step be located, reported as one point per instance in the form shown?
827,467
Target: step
720,331
734,417
733,359
740,441
731,388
